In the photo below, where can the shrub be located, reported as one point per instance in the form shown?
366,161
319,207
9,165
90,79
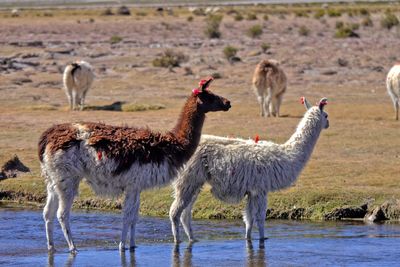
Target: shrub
170,59
339,24
141,13
251,16
107,12
265,17
354,26
230,52
364,12
265,47
301,13
389,20
212,28
333,13
190,18
238,17
124,11
367,22
115,39
319,13
304,31
345,32
254,31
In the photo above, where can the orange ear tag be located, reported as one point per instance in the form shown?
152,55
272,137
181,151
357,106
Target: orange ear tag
256,139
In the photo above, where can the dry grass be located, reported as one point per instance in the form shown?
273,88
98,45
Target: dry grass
355,160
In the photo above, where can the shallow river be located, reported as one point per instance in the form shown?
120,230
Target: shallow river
23,243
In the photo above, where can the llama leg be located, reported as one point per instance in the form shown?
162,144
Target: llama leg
186,219
49,212
249,215
396,108
185,195
75,100
278,104
130,216
66,199
261,101
261,205
267,103
82,102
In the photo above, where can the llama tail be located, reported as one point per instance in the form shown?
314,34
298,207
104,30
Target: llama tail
69,74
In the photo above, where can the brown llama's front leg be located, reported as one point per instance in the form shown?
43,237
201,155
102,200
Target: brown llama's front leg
130,217
49,213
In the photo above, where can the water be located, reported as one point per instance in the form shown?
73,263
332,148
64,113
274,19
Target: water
23,243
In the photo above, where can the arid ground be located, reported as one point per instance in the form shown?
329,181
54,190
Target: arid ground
356,160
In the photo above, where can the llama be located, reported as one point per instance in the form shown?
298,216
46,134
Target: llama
78,77
116,160
235,168
269,84
393,87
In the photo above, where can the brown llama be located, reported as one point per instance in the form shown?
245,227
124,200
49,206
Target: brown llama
116,160
269,84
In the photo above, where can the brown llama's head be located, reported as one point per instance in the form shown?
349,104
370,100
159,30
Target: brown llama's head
208,101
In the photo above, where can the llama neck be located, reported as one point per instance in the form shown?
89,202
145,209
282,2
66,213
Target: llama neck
303,141
188,128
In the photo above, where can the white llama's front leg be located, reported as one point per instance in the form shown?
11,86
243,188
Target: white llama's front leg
130,217
185,195
49,212
261,204
66,198
396,108
186,220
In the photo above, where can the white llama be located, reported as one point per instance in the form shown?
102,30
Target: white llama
393,87
236,167
78,77
118,160
269,84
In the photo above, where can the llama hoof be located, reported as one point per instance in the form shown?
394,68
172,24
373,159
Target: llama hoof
73,251
177,241
193,240
132,248
263,238
51,249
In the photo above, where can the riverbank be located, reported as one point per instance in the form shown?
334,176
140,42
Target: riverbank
355,162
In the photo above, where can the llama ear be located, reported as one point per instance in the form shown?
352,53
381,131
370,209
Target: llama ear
204,84
305,103
322,103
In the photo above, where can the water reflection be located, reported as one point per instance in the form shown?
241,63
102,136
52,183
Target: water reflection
256,257
187,256
69,263
132,259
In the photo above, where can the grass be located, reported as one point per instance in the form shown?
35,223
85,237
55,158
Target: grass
389,20
254,31
169,59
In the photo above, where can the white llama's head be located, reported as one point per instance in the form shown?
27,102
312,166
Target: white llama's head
318,110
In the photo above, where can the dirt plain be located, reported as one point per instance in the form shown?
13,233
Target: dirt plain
356,160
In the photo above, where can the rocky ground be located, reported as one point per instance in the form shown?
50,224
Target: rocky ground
355,162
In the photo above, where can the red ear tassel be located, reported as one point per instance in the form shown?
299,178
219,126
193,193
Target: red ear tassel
99,155
302,100
256,138
196,91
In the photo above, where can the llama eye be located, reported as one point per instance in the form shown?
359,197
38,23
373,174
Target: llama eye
326,116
